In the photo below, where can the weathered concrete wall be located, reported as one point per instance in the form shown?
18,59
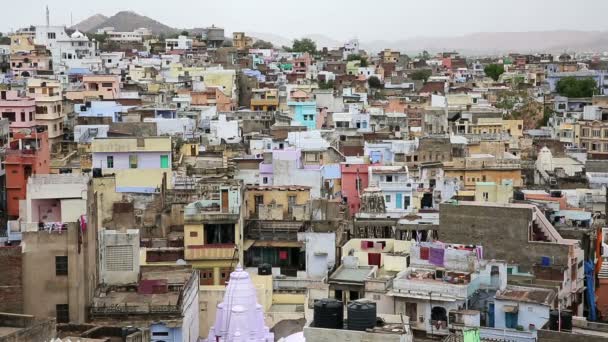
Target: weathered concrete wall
32,330
11,290
556,336
502,231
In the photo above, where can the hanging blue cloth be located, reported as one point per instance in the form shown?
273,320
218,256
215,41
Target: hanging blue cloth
590,283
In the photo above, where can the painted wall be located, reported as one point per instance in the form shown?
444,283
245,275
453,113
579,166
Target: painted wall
528,313
320,253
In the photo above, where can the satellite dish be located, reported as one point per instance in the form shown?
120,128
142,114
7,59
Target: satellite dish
181,262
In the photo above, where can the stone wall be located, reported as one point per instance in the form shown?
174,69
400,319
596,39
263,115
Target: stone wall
11,289
501,230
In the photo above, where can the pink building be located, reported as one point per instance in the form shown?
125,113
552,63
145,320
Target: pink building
19,109
354,180
239,317
301,64
102,87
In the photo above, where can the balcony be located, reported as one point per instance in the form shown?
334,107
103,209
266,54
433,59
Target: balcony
396,186
211,252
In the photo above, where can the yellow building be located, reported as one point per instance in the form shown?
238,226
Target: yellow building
49,106
494,192
22,42
139,164
212,232
241,41
275,202
265,99
484,168
514,127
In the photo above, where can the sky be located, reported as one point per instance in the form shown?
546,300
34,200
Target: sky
338,19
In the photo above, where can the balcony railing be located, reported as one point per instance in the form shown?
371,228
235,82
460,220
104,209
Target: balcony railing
211,252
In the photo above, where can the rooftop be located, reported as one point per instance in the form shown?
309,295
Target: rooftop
352,274
527,294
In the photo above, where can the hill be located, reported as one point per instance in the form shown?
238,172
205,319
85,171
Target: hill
90,23
127,21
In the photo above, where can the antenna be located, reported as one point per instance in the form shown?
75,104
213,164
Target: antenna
48,16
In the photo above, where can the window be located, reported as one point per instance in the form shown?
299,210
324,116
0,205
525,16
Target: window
596,133
193,234
389,179
110,162
486,196
133,161
406,202
119,258
62,311
164,162
22,116
51,35
32,90
585,132
106,84
387,198
61,265
32,117
265,180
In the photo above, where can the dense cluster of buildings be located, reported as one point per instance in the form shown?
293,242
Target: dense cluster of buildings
200,188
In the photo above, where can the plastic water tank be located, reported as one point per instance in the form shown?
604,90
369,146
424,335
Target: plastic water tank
329,314
361,315
566,320
554,320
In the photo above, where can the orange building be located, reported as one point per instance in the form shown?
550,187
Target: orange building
212,96
27,155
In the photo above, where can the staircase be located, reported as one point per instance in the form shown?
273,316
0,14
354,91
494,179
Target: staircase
604,270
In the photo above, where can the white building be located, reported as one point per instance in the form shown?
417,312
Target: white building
179,43
75,51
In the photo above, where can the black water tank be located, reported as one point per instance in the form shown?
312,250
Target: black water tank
553,320
96,173
361,315
518,195
265,269
566,320
329,314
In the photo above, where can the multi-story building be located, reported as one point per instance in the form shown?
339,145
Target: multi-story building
593,136
355,179
98,87
27,155
484,168
265,99
49,106
139,164
68,51
179,44
397,187
303,109
241,41
212,232
18,109
37,62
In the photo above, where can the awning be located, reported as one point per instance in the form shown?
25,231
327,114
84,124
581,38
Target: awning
284,244
510,308
248,244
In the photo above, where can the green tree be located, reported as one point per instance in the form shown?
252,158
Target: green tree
262,44
4,40
362,60
421,75
494,71
304,45
573,87
425,55
326,84
184,33
374,82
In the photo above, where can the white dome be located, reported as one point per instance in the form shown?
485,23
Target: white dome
77,34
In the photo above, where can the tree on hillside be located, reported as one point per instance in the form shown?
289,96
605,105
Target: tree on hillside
494,71
374,82
326,84
573,87
304,45
184,33
421,75
425,55
262,44
362,60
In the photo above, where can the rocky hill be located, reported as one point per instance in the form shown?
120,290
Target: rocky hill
127,21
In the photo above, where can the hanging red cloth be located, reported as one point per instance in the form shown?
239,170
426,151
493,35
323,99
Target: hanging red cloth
424,253
283,255
374,259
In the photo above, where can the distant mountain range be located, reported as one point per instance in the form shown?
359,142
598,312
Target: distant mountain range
483,43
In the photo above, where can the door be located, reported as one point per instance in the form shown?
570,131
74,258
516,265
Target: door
491,315
399,201
225,201
164,162
193,150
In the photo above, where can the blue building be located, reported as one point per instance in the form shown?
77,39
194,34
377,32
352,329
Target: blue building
305,113
110,109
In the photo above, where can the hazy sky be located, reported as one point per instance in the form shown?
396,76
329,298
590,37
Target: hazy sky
338,19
